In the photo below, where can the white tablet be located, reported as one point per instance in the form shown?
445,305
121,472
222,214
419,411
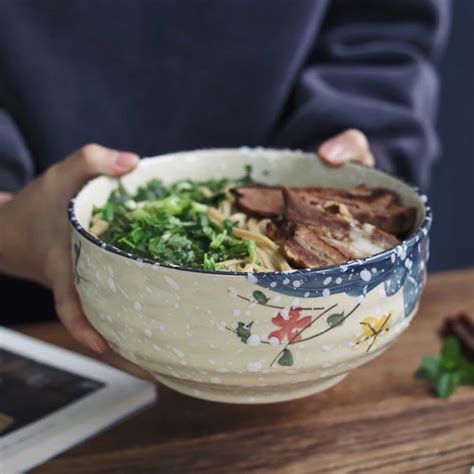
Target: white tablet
52,399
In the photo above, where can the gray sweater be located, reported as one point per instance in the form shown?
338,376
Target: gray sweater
154,76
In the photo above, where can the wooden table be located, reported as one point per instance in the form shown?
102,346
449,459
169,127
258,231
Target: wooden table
379,419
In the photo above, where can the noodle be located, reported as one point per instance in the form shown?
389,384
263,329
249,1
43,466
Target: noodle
206,191
232,262
265,258
262,225
240,218
268,254
224,209
252,225
215,216
260,239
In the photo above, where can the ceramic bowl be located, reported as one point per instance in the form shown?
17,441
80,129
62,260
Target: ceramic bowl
230,337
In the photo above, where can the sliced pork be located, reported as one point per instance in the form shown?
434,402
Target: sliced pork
378,206
259,201
318,226
326,233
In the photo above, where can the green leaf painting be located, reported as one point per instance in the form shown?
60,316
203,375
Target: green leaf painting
260,297
243,331
335,319
286,358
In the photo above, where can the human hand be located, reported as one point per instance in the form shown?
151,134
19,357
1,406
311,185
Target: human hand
35,239
350,145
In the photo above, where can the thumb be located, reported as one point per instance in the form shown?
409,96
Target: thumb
350,145
91,161
5,197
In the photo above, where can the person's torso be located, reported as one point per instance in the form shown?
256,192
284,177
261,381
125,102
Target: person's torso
150,76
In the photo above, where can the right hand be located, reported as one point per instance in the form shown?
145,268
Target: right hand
35,236
349,145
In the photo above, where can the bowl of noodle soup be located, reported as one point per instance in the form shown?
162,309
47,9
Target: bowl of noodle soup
232,320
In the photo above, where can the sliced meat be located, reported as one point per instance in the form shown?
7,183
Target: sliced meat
280,229
381,238
300,257
308,238
396,220
327,226
299,209
376,197
316,246
377,206
327,234
259,201
363,241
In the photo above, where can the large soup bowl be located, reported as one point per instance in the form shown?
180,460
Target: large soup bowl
248,338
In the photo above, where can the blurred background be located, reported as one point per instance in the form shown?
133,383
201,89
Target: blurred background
452,185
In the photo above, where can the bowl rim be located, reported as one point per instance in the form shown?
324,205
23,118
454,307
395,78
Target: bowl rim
416,236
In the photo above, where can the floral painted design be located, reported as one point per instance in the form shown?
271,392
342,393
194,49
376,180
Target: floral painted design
372,330
290,323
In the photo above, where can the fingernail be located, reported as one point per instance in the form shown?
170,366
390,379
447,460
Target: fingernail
126,161
98,346
332,150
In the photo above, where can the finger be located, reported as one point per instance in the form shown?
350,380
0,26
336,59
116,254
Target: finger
91,161
69,309
5,197
350,145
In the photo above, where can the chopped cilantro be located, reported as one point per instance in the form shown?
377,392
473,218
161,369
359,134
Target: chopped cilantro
170,223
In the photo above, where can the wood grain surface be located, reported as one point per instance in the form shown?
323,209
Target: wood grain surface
379,419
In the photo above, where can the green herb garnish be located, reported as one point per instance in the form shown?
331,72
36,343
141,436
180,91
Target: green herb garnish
448,371
170,224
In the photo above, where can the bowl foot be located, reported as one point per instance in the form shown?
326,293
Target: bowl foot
248,395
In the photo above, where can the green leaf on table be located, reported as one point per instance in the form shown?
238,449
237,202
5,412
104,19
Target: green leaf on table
448,371
429,369
260,297
447,383
451,353
467,373
335,319
286,358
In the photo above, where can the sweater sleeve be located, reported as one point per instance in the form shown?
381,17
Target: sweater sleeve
16,164
372,68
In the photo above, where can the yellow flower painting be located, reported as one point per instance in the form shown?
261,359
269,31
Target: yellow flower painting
373,329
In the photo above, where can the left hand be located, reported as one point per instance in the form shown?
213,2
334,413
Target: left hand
35,236
350,145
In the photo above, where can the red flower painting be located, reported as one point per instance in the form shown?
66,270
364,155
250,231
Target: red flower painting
290,326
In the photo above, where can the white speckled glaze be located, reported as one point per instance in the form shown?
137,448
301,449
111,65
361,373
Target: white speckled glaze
206,334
